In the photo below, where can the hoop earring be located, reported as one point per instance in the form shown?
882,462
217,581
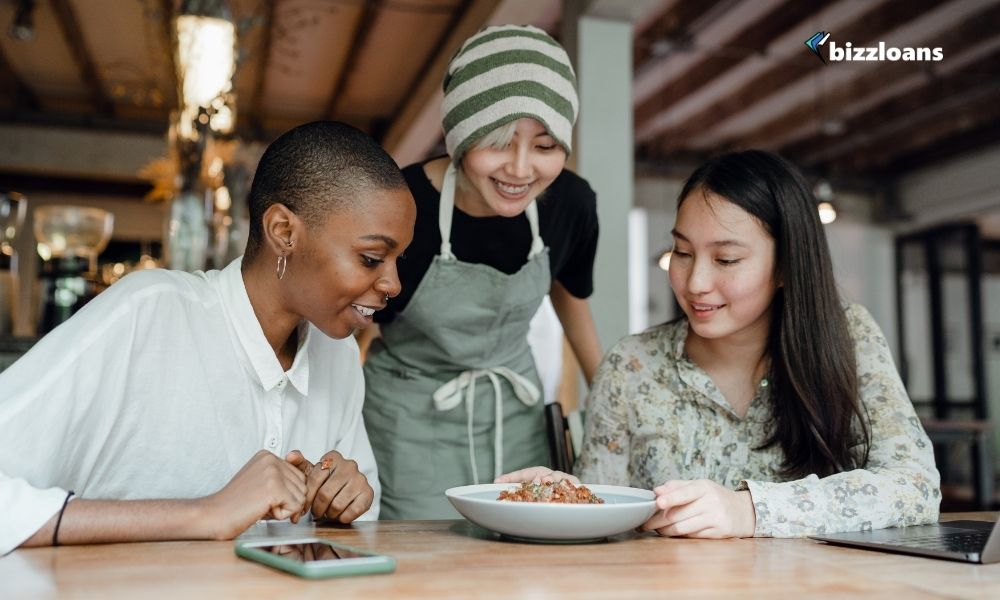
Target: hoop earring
282,263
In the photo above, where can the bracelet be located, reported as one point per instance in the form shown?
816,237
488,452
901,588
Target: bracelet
55,534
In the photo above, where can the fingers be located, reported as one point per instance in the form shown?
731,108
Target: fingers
697,526
322,471
287,486
266,487
314,482
332,488
325,503
701,509
290,503
348,503
296,484
528,474
359,506
559,475
678,493
673,484
293,478
340,492
535,474
297,460
675,514
689,520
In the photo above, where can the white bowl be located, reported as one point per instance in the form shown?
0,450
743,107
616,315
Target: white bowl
624,509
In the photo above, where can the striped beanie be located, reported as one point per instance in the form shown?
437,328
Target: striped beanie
502,74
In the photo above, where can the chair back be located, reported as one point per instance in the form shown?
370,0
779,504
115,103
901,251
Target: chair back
560,445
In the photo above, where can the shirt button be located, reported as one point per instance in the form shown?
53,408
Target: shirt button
281,384
272,442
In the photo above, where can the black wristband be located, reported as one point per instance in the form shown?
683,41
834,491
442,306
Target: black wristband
55,534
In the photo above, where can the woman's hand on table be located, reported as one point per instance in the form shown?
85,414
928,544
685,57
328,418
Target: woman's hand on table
701,509
535,475
336,489
265,488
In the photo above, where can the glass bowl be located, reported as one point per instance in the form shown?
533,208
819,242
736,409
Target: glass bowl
73,230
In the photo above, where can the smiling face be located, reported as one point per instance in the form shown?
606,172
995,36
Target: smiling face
504,181
341,271
722,268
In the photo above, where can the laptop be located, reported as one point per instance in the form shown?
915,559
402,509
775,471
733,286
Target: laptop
967,541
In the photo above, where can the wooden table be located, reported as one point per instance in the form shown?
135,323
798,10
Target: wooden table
453,559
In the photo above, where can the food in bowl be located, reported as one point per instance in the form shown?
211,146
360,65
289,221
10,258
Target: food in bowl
560,492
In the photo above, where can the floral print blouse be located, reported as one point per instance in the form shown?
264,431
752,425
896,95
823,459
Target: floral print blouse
653,416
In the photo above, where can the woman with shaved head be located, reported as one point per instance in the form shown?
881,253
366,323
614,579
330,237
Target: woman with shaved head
189,405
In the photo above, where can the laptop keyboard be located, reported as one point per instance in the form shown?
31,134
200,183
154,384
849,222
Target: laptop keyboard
966,542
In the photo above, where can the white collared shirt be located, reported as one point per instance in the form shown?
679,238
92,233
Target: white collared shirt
164,386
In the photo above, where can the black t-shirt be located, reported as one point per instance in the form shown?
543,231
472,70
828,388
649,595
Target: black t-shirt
567,222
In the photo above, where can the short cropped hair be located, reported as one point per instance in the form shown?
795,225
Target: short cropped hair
315,170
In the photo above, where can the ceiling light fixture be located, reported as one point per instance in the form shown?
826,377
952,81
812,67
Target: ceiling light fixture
833,127
823,192
206,61
197,227
827,213
664,262
22,28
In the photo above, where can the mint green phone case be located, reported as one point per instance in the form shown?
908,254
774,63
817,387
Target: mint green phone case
343,567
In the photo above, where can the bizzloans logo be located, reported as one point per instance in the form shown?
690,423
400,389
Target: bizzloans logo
849,53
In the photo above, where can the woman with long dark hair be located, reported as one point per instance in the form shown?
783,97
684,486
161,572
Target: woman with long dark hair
770,408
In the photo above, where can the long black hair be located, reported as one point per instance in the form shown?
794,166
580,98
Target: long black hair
813,377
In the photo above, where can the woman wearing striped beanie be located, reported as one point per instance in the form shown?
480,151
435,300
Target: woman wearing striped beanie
453,395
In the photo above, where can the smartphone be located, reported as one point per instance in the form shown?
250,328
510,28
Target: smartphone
315,558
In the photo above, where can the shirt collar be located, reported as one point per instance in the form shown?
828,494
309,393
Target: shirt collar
696,378
691,374
251,336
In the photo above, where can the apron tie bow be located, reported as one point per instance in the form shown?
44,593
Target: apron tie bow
450,395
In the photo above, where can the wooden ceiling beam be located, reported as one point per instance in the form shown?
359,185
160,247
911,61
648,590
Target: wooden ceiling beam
947,147
888,117
24,98
170,43
976,108
35,182
358,40
673,26
466,20
754,39
95,122
782,131
867,27
69,24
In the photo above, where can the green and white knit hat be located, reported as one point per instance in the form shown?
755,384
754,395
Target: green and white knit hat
502,74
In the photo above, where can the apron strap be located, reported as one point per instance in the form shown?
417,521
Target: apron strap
449,396
447,208
537,245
